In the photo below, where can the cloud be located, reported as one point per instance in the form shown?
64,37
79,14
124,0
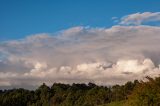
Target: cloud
140,18
105,56
100,73
115,19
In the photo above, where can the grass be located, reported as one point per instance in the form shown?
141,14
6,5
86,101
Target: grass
118,103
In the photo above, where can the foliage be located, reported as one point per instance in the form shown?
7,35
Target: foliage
146,93
130,94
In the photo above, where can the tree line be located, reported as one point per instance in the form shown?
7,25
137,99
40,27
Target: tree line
136,93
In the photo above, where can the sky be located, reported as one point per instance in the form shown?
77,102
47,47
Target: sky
78,41
21,18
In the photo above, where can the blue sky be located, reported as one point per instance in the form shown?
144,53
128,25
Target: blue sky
19,18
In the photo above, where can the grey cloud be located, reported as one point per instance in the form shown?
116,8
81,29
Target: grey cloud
81,54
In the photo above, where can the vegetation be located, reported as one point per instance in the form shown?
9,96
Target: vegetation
130,94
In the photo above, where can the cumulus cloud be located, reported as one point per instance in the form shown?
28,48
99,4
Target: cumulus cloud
139,18
82,54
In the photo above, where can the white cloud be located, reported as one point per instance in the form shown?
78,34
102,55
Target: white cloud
82,54
100,73
139,18
134,66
